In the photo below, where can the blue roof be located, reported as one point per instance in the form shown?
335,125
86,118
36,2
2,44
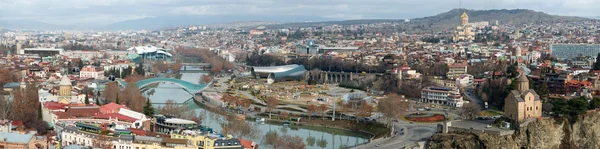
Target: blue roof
16,137
12,85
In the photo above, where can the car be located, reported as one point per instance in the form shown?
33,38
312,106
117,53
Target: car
377,145
401,133
488,126
401,129
420,109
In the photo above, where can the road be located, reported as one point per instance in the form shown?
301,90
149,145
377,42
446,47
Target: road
412,133
474,98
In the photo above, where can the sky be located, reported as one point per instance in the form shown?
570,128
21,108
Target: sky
103,12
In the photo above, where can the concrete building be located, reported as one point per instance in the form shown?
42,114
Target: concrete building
442,95
43,52
464,80
91,72
5,126
455,70
522,103
464,31
21,141
569,51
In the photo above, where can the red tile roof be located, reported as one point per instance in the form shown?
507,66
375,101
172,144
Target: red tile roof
54,106
112,106
18,123
121,117
75,112
247,144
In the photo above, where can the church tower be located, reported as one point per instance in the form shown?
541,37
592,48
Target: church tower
65,86
518,52
464,19
522,83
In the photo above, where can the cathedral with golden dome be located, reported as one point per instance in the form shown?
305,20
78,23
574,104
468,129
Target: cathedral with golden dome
464,31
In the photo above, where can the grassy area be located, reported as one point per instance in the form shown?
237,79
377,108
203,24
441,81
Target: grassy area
491,113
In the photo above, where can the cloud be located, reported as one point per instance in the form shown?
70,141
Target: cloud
110,11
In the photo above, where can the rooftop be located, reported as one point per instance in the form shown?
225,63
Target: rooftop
16,137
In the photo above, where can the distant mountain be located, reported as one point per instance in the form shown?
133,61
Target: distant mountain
325,23
28,24
170,21
451,18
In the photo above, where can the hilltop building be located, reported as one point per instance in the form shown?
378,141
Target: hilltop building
522,103
465,30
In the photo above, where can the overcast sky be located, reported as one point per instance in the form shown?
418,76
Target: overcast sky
101,12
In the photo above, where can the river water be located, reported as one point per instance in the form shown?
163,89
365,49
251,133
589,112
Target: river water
314,137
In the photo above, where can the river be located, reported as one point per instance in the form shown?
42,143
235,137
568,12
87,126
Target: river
314,137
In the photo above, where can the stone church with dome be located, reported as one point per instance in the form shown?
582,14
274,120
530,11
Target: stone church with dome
65,93
522,103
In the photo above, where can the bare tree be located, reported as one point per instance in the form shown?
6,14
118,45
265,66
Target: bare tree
205,79
392,107
273,139
6,107
171,108
323,108
240,128
272,103
102,142
311,110
470,111
284,115
111,91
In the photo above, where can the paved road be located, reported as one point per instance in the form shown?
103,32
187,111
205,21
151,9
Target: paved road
475,98
412,133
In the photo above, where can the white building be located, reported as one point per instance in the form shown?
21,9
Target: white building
464,80
91,72
442,95
70,136
6,126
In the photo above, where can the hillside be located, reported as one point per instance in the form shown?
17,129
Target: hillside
548,133
451,18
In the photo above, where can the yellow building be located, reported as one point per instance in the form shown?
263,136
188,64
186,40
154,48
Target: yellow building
210,142
522,103
464,31
145,142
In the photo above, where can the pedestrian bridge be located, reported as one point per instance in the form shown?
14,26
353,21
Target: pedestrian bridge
187,86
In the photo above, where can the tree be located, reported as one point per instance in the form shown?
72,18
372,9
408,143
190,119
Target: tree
26,104
111,92
102,142
277,141
595,103
323,108
365,109
139,69
171,108
117,101
134,78
597,64
87,99
6,107
205,79
133,98
285,115
311,110
160,66
240,128
216,66
272,103
392,107
148,109
470,111
176,67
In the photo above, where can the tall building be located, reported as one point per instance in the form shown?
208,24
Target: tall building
522,103
569,51
464,31
442,95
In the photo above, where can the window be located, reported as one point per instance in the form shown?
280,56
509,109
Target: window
536,108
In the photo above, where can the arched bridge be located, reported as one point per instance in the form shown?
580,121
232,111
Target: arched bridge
187,86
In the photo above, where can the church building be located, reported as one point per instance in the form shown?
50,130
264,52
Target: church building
464,32
522,103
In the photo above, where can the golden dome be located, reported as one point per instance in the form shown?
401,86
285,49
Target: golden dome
464,15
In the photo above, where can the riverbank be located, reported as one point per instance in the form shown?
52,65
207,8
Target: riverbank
372,129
